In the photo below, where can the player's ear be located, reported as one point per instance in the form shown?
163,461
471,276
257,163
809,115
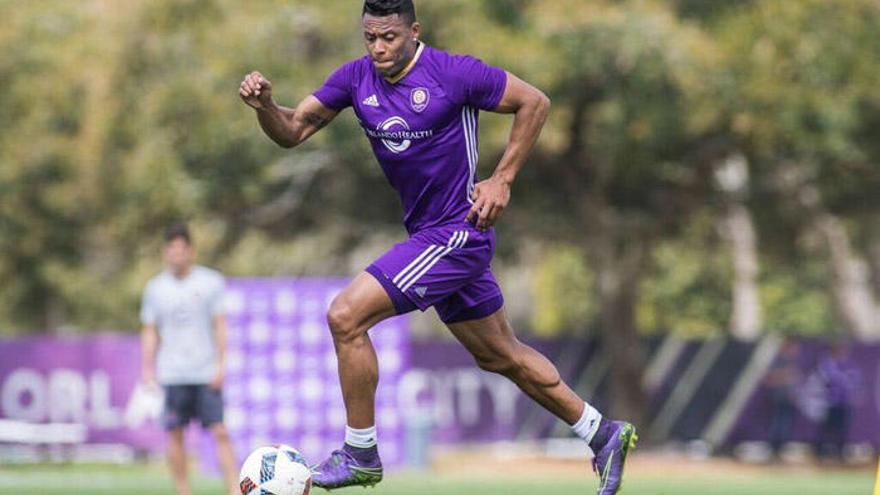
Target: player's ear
416,29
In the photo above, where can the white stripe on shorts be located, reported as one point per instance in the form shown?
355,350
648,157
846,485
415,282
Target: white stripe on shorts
427,252
435,253
457,241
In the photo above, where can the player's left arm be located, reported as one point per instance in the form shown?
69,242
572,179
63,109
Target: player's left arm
530,108
219,324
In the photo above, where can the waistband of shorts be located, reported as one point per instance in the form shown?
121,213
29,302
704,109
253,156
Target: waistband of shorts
453,224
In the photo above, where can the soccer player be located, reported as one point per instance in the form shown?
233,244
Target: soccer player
183,341
419,108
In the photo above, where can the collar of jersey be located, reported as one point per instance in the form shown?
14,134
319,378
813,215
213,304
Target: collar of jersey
173,277
412,63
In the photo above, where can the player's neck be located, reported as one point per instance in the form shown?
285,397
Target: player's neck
181,272
417,52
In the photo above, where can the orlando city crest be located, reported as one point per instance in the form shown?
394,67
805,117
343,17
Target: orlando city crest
419,98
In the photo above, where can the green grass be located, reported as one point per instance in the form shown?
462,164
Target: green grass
152,480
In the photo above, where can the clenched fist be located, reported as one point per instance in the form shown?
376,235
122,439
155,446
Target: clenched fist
256,90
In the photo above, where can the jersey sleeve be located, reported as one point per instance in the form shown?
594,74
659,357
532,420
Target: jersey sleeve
335,94
149,311
482,85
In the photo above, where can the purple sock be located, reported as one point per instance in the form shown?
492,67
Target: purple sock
365,456
603,433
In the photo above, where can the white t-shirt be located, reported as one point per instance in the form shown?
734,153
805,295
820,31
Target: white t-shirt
183,311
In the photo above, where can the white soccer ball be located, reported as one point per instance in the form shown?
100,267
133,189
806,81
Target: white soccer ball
278,470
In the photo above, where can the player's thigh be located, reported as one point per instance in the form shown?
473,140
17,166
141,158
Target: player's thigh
361,305
210,406
180,406
490,339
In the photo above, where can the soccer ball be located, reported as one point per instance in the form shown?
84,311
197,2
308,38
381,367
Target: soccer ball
278,470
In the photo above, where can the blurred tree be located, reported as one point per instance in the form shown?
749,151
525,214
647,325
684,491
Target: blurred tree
119,117
135,122
738,229
802,90
562,299
631,161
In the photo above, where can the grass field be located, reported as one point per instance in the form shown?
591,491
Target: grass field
646,477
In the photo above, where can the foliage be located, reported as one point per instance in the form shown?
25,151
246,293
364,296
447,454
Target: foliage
118,117
561,296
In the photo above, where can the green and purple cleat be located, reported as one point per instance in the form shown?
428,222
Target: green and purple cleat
349,466
611,444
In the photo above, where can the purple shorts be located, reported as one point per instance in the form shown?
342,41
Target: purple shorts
447,267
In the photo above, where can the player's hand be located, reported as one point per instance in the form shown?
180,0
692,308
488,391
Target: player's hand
256,90
149,378
490,199
217,381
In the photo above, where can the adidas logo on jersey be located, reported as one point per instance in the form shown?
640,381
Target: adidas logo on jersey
371,101
421,290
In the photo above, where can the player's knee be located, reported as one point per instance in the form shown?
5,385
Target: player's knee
176,433
221,434
342,321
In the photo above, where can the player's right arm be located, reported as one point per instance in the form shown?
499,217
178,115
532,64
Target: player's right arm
149,345
149,336
288,127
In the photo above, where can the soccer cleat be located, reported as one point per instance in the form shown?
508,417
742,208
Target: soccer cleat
620,438
348,466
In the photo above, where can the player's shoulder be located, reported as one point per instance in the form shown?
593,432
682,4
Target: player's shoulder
450,63
156,283
156,280
208,275
356,68
455,70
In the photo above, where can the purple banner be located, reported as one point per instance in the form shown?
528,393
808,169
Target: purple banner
466,404
282,383
463,402
864,362
89,381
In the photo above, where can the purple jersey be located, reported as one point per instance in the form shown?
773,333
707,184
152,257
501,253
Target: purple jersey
423,127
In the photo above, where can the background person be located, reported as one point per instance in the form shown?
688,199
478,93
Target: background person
184,342
782,381
840,380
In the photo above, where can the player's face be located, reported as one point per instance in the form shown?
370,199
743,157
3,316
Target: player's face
178,254
390,42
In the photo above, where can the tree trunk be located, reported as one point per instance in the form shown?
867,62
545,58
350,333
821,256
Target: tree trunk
618,271
850,281
873,250
739,231
616,253
737,228
851,292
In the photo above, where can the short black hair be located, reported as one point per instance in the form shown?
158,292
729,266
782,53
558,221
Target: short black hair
177,230
381,8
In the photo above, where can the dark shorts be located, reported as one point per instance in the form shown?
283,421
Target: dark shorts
183,403
447,267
